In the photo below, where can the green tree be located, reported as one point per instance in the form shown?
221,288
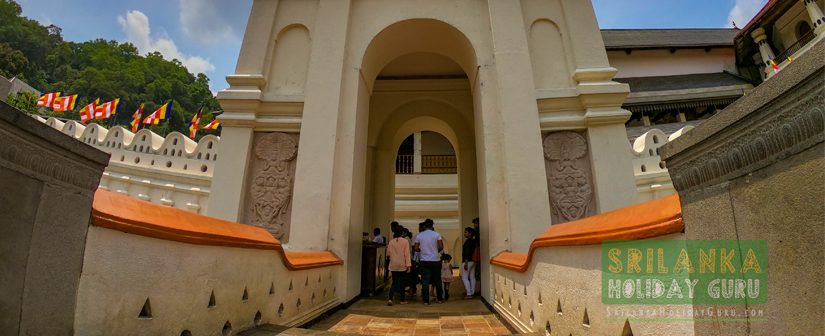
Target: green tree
100,69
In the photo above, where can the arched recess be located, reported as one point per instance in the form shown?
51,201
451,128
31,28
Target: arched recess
411,117
417,36
288,69
548,56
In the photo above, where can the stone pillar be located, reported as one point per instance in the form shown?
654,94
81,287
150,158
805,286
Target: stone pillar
229,178
817,18
312,199
417,153
528,203
765,49
47,182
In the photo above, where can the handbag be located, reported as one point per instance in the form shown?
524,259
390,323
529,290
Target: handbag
477,254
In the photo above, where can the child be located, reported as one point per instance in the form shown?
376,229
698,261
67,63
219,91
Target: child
446,273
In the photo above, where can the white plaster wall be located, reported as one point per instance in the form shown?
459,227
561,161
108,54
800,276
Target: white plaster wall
651,175
569,276
435,144
645,63
178,279
173,171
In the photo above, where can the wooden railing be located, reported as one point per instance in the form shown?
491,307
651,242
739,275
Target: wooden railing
430,164
438,164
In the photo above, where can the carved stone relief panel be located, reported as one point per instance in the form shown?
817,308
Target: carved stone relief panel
569,176
270,182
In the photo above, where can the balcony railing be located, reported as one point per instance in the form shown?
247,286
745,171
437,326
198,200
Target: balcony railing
405,164
438,164
430,164
783,56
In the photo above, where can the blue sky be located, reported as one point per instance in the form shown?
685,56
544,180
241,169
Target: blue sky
206,34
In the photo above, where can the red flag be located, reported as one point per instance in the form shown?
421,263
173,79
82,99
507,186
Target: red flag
47,100
87,112
107,109
136,118
159,115
63,104
212,125
193,125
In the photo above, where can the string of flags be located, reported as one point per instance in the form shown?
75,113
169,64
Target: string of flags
95,111
776,66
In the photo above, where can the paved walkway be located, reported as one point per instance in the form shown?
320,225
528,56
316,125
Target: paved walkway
372,316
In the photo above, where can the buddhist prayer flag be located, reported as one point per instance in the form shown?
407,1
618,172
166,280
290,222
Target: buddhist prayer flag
107,109
48,99
196,121
159,115
63,104
212,125
88,111
790,60
774,66
136,118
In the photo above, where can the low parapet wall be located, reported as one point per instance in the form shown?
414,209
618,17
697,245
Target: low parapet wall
173,171
557,286
155,270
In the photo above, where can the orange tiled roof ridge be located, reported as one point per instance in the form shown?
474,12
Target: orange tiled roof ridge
122,213
645,220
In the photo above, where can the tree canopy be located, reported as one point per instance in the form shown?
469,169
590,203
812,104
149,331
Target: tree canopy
99,69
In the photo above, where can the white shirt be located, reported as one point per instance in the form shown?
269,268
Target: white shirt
379,239
428,243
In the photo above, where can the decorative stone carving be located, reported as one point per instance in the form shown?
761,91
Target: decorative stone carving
786,126
568,176
271,181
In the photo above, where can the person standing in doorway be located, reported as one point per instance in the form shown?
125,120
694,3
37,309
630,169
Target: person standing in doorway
468,262
400,264
429,243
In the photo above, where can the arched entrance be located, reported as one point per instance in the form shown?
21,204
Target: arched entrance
418,75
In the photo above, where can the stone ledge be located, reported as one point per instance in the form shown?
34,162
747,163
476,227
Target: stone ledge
126,214
779,118
762,95
645,220
40,130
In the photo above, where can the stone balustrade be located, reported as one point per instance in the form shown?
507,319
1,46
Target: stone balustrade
173,171
652,177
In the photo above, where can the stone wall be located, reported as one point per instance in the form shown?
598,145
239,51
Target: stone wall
47,181
206,290
755,172
173,171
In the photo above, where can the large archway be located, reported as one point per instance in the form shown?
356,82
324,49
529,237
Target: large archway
417,75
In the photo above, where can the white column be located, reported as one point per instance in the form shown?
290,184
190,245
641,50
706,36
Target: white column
229,178
312,199
417,153
527,202
765,50
817,18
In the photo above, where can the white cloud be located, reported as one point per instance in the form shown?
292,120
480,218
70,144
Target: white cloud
743,11
208,21
138,32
